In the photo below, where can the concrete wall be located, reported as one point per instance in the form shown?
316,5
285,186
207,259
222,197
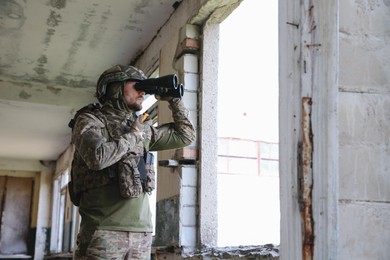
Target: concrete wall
308,133
364,102
313,35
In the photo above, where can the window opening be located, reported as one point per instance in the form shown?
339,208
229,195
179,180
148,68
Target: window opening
61,220
55,217
64,215
248,174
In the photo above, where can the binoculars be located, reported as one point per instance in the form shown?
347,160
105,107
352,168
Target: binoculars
165,86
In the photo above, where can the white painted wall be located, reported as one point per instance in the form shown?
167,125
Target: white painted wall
364,208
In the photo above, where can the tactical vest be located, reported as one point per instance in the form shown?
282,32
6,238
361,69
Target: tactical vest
135,173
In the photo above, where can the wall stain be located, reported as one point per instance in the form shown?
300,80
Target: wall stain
24,95
42,59
28,80
40,70
305,172
133,24
96,38
61,80
83,33
54,19
83,83
11,15
54,90
25,84
49,33
59,4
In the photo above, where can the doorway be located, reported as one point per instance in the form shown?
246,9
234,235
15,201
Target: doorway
15,209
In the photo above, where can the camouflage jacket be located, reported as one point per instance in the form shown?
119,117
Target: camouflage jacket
109,147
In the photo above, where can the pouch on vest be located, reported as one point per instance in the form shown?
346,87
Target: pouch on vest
129,178
136,175
150,183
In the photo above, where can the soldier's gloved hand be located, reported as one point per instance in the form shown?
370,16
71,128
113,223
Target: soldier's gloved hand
165,98
138,125
168,99
137,129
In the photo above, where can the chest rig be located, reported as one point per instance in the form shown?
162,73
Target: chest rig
134,173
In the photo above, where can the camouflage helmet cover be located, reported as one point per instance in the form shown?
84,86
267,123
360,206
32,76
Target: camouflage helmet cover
117,73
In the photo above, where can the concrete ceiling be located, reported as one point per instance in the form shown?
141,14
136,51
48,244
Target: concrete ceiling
51,54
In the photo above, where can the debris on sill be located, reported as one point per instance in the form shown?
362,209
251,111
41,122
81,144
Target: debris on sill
267,251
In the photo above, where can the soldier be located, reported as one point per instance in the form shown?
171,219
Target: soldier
111,170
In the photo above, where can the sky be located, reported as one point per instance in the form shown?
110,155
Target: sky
248,79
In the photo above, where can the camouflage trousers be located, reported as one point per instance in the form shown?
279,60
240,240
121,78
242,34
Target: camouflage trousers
106,244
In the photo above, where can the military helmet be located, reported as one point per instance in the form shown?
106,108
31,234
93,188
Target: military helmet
117,73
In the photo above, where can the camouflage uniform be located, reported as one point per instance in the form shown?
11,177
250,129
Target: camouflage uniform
114,208
105,244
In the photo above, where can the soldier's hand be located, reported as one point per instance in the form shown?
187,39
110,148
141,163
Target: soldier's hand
137,126
165,98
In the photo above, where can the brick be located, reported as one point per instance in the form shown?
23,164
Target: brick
186,153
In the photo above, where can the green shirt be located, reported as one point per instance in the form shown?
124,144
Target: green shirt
104,208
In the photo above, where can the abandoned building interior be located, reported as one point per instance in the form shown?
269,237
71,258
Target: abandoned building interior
290,101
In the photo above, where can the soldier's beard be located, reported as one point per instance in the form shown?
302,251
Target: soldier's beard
134,106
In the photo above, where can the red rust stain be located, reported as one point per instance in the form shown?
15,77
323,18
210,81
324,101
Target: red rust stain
307,181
